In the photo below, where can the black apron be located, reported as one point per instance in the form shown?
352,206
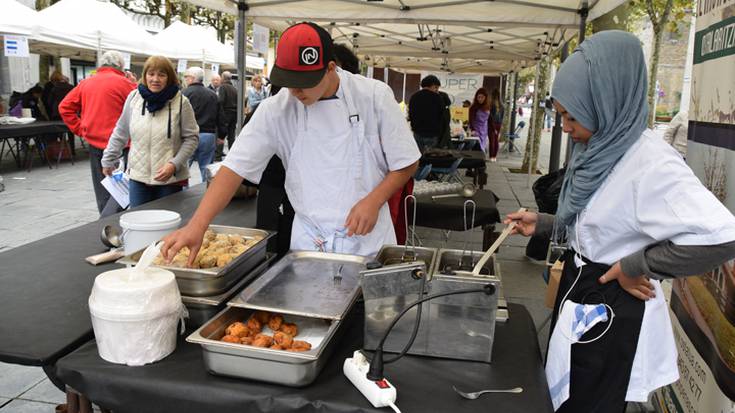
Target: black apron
600,371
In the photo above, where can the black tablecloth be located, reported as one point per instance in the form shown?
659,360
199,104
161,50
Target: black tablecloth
180,383
46,284
32,129
443,158
447,213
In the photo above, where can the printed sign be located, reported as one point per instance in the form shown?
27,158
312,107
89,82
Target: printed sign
261,38
181,68
126,56
16,46
459,87
215,68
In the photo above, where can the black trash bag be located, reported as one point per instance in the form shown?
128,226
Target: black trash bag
546,191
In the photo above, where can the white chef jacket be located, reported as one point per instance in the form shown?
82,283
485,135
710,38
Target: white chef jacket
650,195
275,127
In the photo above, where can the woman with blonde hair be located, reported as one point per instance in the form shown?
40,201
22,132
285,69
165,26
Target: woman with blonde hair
163,132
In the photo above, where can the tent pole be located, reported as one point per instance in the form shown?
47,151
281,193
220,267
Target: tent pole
404,87
242,44
514,109
556,131
583,13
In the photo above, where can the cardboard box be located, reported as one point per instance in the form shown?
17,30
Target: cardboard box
553,287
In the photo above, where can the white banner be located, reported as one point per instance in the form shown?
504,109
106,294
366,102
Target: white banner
16,46
261,38
126,56
459,87
181,67
215,68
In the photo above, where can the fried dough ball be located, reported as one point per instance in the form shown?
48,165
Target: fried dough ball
246,340
231,339
254,325
262,340
207,261
238,330
285,340
299,345
210,235
275,322
235,239
262,316
237,249
224,259
277,347
290,329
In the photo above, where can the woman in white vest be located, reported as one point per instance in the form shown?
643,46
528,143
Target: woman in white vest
631,213
163,132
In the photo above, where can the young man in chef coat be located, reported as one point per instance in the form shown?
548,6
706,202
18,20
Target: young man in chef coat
344,143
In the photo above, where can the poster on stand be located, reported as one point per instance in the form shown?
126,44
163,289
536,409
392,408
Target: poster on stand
459,87
703,307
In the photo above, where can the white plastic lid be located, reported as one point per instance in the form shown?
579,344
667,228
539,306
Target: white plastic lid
150,219
122,295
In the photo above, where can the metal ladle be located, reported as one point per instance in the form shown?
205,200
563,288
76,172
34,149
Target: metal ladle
468,191
111,236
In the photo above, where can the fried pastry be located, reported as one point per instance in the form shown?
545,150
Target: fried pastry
231,339
246,340
276,347
299,345
261,316
275,322
238,329
290,329
262,340
254,325
283,339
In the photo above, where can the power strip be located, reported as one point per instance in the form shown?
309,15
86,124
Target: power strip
380,393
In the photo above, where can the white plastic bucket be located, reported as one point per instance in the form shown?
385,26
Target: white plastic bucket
141,228
135,318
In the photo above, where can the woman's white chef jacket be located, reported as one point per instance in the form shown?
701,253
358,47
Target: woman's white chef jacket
651,195
335,152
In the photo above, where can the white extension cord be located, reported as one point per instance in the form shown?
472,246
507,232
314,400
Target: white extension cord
380,393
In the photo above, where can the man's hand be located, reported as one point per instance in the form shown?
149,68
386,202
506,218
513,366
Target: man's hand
165,172
190,236
525,223
362,217
131,76
220,141
639,287
107,171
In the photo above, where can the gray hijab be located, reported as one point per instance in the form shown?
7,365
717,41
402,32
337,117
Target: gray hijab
602,85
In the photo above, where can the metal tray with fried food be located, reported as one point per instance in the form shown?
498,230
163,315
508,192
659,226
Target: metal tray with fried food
198,282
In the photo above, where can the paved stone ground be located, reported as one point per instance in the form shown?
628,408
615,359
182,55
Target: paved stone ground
46,201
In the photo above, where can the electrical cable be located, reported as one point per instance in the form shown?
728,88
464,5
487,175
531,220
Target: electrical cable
375,372
394,407
416,325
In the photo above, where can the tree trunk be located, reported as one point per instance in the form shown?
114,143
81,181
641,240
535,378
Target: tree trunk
507,106
536,122
167,14
186,12
659,24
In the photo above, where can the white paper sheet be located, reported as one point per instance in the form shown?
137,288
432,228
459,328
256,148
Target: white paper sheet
118,185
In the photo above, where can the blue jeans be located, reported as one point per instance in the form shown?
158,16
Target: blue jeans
425,142
205,152
141,193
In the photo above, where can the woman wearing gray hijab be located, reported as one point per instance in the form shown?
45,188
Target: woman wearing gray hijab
631,213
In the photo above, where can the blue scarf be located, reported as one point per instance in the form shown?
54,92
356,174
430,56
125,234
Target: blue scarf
156,101
602,85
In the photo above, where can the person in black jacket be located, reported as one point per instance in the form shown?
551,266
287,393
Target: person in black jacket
228,99
209,116
426,111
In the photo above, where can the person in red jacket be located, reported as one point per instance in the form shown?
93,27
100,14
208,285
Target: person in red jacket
91,111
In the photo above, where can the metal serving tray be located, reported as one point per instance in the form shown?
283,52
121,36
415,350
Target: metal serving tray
200,282
263,364
203,309
307,283
449,259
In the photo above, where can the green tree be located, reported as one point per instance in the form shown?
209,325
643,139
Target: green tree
536,123
664,15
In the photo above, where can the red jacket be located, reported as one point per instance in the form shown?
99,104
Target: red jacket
92,108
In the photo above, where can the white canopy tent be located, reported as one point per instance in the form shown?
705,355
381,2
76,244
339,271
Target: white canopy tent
70,26
16,18
515,32
194,43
